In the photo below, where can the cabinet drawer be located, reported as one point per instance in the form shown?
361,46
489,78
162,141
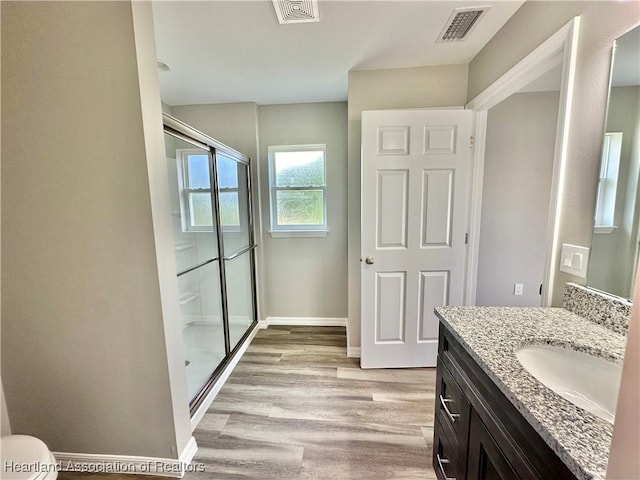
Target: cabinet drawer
452,407
447,458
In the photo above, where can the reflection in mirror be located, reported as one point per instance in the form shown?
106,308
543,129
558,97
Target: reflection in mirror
616,233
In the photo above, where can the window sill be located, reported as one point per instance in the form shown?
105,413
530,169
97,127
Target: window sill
601,230
298,233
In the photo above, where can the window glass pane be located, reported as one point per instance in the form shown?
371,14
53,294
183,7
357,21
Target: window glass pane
229,209
200,209
227,172
300,207
198,171
608,185
299,169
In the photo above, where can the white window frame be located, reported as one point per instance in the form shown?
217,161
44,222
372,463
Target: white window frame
608,183
235,228
185,209
301,230
183,178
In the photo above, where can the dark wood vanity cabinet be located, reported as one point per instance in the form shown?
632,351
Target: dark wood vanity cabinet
478,433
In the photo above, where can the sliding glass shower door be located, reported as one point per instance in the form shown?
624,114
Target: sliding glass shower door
238,244
213,233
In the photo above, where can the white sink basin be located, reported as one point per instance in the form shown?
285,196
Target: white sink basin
588,382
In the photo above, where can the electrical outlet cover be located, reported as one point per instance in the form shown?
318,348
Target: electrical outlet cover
574,260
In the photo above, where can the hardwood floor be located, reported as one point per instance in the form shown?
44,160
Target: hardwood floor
296,407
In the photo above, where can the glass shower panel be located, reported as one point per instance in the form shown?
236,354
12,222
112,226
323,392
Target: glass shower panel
234,208
192,214
203,332
197,260
239,296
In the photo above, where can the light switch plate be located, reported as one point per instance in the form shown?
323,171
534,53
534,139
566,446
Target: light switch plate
574,260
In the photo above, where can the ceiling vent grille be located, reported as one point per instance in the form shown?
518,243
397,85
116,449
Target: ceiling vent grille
461,23
296,11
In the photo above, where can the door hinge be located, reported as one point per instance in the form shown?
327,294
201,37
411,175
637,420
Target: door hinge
466,238
471,141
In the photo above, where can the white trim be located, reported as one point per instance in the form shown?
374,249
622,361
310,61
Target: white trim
131,465
475,209
604,230
559,49
354,352
546,56
304,321
208,400
298,233
560,157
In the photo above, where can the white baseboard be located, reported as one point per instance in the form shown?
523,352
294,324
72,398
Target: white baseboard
130,465
353,352
208,400
304,321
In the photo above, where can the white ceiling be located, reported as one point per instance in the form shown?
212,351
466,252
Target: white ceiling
235,51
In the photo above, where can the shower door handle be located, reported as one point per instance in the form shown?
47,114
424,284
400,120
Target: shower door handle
237,254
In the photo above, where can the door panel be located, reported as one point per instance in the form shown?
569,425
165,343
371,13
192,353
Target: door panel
439,140
434,289
415,193
392,203
390,311
437,205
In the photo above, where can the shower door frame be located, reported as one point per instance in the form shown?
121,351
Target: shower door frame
182,131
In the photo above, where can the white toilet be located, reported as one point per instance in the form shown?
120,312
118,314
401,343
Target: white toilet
26,458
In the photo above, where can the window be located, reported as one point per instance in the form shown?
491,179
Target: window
228,187
608,183
195,186
297,184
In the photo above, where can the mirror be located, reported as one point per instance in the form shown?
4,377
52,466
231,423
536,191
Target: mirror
616,234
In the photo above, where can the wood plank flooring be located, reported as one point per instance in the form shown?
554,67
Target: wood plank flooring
297,408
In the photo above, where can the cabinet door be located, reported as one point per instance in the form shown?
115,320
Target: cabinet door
485,461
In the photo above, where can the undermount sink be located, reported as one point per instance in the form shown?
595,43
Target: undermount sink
587,381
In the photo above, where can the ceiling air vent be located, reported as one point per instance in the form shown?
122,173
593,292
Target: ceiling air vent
296,11
460,23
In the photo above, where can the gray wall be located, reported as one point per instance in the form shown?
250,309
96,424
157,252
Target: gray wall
439,86
307,277
234,124
521,134
87,363
600,24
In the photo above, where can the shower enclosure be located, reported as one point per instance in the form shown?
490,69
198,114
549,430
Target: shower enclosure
210,187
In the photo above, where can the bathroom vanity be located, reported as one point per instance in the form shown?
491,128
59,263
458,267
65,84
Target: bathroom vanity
493,419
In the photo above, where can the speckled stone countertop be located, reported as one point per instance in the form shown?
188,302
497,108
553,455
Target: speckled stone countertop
491,335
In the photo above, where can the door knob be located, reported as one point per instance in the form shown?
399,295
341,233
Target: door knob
369,260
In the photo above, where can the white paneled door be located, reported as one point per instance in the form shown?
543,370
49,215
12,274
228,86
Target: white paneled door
416,171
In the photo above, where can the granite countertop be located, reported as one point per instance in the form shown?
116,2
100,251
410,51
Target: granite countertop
491,335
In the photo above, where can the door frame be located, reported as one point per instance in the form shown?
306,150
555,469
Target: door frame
559,49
